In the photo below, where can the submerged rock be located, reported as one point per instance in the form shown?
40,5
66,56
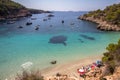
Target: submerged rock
53,62
81,40
58,40
87,37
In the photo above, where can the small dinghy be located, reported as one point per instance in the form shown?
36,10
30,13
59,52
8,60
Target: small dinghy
29,23
20,27
50,15
37,28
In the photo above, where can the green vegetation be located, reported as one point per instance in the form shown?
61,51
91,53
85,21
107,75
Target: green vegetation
35,11
112,57
111,14
103,78
8,7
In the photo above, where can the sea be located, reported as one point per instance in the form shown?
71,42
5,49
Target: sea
22,45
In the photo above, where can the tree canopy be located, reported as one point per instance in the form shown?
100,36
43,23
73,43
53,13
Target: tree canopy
8,7
111,14
112,56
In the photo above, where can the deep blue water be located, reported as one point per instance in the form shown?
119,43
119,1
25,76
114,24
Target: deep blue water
18,46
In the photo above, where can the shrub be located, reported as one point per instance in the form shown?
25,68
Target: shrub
111,14
103,78
111,47
104,59
9,6
112,57
111,69
36,75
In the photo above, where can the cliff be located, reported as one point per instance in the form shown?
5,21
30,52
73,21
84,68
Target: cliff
107,19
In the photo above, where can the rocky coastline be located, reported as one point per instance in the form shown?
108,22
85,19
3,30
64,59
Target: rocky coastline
102,25
14,16
21,13
11,11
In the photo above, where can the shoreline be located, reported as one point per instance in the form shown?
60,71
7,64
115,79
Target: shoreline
69,68
102,25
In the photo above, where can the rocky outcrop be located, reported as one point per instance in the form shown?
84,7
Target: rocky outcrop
94,74
59,76
15,15
20,13
102,25
115,76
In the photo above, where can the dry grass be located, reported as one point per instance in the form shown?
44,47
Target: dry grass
33,75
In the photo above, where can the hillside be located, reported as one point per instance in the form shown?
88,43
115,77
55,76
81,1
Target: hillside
10,10
112,56
35,11
108,19
112,61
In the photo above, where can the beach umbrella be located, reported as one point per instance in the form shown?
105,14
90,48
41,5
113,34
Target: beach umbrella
81,71
93,67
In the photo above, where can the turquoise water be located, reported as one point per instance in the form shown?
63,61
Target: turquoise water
18,46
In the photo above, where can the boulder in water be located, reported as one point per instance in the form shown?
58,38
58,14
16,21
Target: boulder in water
53,62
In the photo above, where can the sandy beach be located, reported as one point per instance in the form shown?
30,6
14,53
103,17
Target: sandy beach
70,68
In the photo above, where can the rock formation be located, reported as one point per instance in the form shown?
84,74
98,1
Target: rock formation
102,25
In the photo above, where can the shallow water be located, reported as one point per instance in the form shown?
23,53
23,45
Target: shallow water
18,46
